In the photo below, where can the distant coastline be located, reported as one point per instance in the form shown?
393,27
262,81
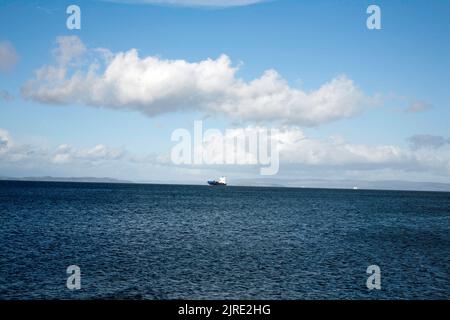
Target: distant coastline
264,182
67,179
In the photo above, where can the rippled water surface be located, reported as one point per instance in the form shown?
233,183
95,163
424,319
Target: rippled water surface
170,242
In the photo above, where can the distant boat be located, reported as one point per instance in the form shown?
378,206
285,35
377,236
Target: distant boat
221,182
355,188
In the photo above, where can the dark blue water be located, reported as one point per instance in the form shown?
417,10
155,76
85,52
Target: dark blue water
195,242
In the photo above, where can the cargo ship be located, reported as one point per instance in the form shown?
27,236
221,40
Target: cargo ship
222,181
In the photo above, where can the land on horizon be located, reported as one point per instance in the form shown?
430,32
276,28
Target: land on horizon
266,182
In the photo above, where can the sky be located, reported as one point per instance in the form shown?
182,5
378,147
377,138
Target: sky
342,101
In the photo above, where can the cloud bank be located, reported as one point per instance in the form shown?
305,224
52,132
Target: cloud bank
154,86
28,154
298,153
296,150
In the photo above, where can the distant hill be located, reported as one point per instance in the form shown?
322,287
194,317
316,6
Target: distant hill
68,179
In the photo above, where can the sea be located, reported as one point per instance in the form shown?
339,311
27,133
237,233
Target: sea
149,241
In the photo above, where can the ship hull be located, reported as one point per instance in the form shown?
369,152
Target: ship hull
216,183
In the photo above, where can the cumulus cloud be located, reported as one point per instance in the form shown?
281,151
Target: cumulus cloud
418,106
153,86
195,3
420,141
296,147
8,56
11,152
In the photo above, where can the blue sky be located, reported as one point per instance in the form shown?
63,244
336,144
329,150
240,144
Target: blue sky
308,43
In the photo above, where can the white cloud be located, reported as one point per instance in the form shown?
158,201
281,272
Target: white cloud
11,152
338,153
69,48
297,151
66,154
8,56
153,86
195,3
334,152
